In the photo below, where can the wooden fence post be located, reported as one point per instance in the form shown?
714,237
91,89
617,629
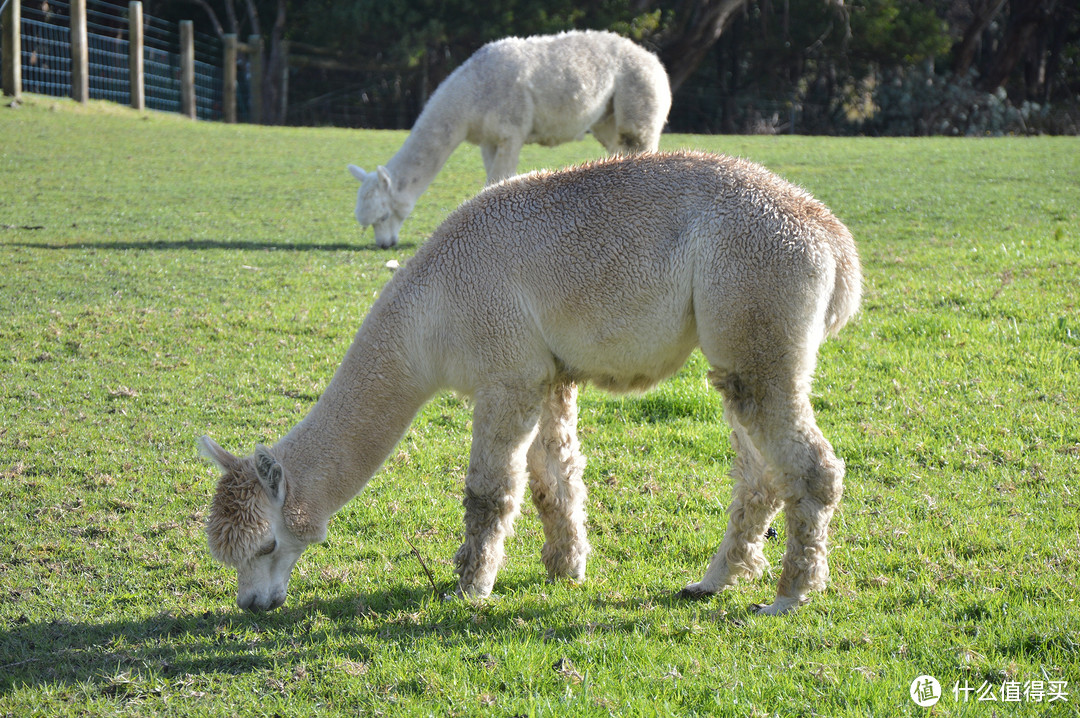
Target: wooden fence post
228,78
255,58
12,58
135,55
187,68
80,64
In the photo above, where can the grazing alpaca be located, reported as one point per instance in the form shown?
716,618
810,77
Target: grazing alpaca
612,272
543,90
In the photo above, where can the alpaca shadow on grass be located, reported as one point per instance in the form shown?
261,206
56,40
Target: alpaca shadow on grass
105,656
108,657
59,653
209,244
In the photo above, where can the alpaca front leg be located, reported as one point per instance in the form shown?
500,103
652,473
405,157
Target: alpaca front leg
488,521
754,503
503,429
558,492
500,158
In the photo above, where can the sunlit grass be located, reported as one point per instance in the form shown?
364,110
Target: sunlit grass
162,279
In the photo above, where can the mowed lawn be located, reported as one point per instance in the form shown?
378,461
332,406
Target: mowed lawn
162,279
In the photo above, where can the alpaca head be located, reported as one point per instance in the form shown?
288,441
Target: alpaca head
377,206
246,529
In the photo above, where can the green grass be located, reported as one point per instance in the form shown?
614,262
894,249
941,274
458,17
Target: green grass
161,279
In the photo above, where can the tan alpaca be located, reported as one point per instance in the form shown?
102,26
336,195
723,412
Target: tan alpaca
544,90
612,272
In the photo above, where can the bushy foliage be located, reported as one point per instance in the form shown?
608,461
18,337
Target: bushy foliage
918,101
889,32
794,66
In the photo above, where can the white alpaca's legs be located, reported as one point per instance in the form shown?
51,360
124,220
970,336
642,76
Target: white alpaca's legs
813,481
605,134
504,425
500,158
555,470
754,503
806,475
763,350
625,139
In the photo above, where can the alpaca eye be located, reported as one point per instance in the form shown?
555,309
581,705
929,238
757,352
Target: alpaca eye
268,548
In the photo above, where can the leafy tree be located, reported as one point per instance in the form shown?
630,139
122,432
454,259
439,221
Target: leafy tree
736,65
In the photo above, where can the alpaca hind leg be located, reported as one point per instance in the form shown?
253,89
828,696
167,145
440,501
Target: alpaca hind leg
811,495
504,426
619,138
807,476
640,113
754,503
761,335
555,470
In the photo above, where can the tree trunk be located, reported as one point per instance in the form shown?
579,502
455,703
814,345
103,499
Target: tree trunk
697,28
969,44
275,78
1026,16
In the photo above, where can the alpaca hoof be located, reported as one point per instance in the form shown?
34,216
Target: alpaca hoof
564,580
695,592
780,606
470,594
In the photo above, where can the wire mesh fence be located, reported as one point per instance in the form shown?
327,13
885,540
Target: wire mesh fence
162,64
46,49
107,50
45,35
209,80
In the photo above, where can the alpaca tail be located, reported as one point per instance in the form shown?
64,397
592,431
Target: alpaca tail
847,288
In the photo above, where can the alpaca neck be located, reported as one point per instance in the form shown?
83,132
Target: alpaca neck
370,403
437,133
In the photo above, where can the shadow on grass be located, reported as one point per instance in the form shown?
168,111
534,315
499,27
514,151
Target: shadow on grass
208,244
656,407
355,626
227,641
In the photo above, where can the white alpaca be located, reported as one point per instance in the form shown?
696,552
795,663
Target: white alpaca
543,90
612,273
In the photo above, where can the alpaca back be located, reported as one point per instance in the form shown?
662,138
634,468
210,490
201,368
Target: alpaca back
600,265
555,87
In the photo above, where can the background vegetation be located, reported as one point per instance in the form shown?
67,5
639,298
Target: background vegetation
162,279
833,67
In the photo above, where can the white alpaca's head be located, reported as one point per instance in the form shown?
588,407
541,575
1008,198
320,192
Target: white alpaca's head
376,205
246,528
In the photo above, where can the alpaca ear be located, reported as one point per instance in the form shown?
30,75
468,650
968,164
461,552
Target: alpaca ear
270,474
384,178
211,451
357,172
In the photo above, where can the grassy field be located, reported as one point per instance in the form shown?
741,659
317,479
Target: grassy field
162,279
